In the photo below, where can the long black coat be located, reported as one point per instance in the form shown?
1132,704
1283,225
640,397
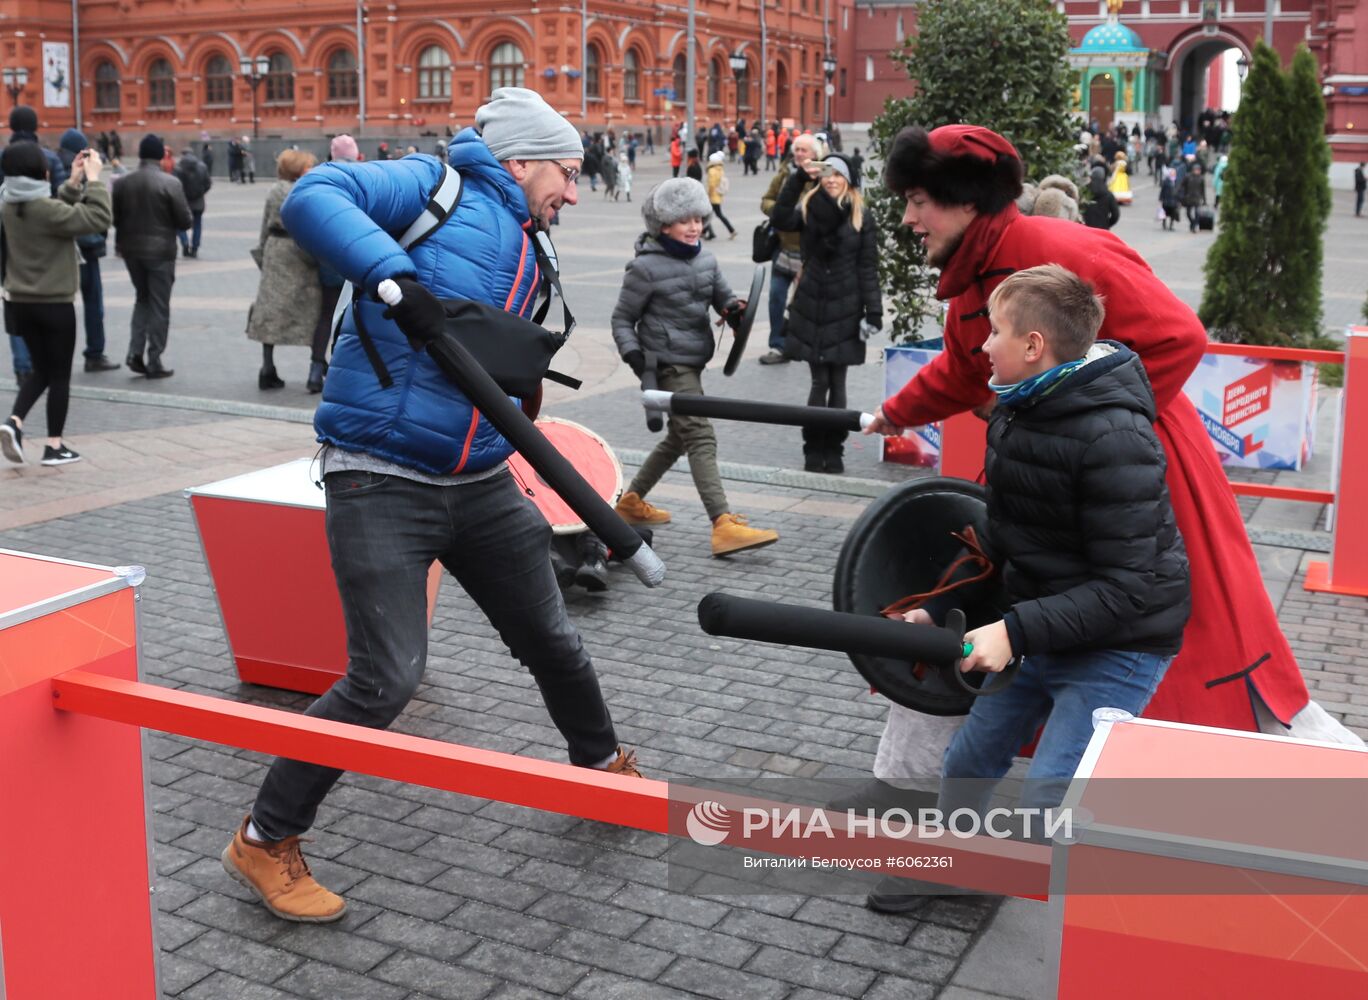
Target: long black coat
839,285
1079,516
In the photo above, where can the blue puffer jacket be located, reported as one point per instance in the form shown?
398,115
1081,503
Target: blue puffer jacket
343,214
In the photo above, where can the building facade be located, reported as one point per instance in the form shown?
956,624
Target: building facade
173,66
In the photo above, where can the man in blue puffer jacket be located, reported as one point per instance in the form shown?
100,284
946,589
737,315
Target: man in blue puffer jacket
414,473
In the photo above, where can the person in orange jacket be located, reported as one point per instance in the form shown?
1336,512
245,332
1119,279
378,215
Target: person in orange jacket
676,155
771,149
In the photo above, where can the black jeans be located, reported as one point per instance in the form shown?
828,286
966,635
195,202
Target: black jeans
717,211
829,390
152,281
384,532
49,331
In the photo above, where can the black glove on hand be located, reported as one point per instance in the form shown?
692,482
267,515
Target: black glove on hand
875,320
732,314
637,361
419,315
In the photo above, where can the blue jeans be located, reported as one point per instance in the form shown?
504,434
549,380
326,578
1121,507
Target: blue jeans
778,300
23,364
92,301
191,237
1061,690
384,532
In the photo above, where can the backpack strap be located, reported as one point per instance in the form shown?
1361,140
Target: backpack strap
440,204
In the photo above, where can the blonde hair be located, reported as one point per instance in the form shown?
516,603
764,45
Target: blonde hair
1056,302
293,164
851,197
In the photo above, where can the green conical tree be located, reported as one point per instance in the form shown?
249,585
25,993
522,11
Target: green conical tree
997,63
1263,274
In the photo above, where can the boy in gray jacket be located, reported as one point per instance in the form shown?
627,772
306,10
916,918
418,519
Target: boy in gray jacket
663,309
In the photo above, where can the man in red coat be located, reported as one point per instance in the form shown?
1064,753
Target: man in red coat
1235,669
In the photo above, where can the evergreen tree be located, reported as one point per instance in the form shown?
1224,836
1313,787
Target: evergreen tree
996,63
1263,274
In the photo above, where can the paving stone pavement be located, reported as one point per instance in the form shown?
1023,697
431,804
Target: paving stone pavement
464,898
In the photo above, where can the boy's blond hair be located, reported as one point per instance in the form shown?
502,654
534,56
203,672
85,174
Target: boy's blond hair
1054,301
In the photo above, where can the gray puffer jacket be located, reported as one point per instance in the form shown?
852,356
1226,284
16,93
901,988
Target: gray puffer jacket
663,305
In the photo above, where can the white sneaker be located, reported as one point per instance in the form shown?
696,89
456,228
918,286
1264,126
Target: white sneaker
12,442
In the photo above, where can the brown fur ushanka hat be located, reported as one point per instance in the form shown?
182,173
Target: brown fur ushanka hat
956,165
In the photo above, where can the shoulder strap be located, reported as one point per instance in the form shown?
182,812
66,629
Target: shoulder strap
440,204
549,264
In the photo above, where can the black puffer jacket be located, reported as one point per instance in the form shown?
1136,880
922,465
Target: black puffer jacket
1079,516
663,305
840,281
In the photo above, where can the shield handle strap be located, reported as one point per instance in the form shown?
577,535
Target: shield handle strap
955,622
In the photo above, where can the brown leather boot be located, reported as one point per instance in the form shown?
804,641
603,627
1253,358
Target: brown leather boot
277,872
634,510
730,534
624,763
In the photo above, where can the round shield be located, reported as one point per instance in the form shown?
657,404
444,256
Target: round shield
588,453
743,329
899,546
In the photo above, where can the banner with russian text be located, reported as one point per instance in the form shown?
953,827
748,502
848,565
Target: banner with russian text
1260,414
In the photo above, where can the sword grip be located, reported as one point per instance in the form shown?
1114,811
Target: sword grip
649,384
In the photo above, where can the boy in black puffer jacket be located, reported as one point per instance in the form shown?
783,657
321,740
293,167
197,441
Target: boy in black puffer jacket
1080,523
663,309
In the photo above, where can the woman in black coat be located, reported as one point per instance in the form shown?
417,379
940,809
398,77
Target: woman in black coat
837,304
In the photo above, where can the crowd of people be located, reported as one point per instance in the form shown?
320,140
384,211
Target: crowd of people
1124,563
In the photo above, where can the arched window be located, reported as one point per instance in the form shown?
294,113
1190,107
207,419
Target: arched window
280,79
714,81
506,66
743,88
218,82
161,86
434,74
106,86
342,76
593,65
681,78
631,76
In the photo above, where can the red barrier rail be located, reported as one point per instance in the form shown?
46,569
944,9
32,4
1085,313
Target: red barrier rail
1271,492
1277,353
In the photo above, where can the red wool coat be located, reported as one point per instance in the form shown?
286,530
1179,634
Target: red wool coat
1233,623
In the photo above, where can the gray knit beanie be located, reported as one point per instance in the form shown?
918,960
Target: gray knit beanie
674,200
517,124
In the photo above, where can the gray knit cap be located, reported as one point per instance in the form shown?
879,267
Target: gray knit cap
517,124
674,200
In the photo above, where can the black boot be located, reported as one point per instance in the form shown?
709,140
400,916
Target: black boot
268,379
317,370
814,458
835,460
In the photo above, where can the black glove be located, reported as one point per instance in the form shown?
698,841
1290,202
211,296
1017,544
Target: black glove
875,320
733,312
637,361
420,315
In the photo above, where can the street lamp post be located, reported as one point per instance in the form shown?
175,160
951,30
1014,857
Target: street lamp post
1242,66
254,71
738,65
829,68
15,82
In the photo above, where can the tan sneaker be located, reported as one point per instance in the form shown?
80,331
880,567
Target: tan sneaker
730,534
634,510
277,872
624,763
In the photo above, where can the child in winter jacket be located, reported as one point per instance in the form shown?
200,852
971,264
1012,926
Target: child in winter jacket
662,311
1080,525
624,177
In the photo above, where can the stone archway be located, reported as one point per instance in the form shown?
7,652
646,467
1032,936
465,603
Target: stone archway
1188,71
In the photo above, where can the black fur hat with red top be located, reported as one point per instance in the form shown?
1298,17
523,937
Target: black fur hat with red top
956,165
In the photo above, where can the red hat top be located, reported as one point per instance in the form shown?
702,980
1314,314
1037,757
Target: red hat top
971,140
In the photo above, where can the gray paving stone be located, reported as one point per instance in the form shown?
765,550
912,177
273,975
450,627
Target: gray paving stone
493,889
607,986
177,974
604,948
436,979
685,939
247,959
416,901
326,982
902,960
545,972
720,982
584,913
222,985
833,978
765,929
397,930
339,944
674,906
505,925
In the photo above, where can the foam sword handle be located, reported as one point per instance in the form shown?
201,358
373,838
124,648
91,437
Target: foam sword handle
816,417
648,384
459,365
841,632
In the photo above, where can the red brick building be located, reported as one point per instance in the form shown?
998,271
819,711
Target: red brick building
172,66
1190,34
